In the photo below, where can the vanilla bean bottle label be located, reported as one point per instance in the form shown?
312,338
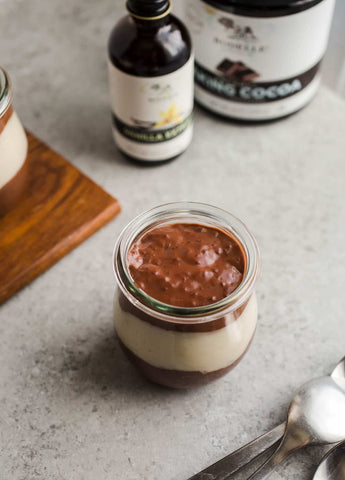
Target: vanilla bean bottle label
260,64
153,120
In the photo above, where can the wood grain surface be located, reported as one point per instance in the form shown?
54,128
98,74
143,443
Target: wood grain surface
60,209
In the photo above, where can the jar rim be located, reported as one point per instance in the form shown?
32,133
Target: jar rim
264,8
5,91
266,3
181,212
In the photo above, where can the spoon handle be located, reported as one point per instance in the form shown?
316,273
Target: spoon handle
289,443
266,469
224,468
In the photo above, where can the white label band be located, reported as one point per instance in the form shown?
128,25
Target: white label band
148,135
259,111
256,60
255,92
152,116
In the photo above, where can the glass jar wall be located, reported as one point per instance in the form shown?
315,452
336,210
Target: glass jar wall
13,149
179,346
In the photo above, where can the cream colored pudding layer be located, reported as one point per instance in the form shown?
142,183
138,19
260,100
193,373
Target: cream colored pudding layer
13,149
187,351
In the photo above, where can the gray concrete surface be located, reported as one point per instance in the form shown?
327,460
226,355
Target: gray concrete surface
72,408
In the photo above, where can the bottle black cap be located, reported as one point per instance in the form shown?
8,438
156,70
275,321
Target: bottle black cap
148,8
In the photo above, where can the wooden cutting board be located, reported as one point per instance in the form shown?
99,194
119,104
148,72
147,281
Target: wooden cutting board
61,208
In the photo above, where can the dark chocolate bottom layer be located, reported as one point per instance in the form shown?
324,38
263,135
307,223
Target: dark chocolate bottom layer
178,378
13,190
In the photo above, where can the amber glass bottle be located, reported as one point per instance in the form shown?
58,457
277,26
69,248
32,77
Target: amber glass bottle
151,82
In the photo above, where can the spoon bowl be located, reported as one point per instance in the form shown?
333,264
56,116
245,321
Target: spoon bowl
339,371
316,416
317,412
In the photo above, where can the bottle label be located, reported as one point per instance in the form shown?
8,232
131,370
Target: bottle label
152,116
257,68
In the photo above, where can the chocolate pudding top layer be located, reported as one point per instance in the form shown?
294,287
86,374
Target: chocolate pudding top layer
186,265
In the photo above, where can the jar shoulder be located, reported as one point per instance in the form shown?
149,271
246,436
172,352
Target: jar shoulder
138,50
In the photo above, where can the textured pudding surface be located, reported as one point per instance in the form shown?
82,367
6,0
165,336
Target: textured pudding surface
186,265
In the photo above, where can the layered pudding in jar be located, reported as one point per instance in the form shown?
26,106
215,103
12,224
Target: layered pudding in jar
185,309
13,149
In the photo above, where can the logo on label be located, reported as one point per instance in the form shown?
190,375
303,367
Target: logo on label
238,37
236,31
156,92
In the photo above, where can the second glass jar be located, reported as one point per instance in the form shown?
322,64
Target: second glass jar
13,149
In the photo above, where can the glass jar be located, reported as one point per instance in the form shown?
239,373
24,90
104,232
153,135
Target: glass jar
257,60
13,149
177,346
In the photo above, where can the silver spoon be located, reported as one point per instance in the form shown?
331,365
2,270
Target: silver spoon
332,466
316,416
227,466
